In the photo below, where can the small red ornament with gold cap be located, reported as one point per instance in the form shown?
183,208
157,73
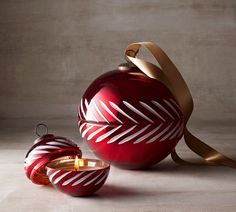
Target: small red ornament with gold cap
45,149
57,160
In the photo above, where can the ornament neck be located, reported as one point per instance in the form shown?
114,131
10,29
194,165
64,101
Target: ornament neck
126,66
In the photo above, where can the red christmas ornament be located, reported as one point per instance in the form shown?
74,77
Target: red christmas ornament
45,149
130,120
77,182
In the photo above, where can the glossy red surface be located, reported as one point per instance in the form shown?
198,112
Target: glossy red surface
130,120
46,149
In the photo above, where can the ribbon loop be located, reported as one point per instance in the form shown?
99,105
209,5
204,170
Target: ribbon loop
172,78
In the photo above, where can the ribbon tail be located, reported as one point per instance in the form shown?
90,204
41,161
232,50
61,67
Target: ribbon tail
209,154
211,157
171,77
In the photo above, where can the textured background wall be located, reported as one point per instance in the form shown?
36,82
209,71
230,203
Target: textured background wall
46,49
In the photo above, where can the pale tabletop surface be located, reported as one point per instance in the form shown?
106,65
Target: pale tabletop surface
166,187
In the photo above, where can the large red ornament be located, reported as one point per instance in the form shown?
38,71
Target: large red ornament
130,120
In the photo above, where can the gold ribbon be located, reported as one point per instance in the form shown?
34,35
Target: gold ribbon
171,77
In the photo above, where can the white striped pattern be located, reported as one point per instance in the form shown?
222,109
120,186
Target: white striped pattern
89,182
47,147
160,134
174,102
83,178
71,179
131,107
181,131
96,132
162,108
134,135
82,108
51,176
148,134
120,135
110,112
63,140
31,159
170,132
122,112
74,180
57,143
49,171
152,110
51,146
38,152
177,132
172,107
102,137
99,112
169,108
86,130
58,179
81,127
103,178
89,114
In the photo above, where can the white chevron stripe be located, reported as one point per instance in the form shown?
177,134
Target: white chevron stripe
170,132
82,108
120,135
99,139
159,134
147,135
37,152
47,147
81,126
172,107
86,130
79,112
162,108
152,110
131,107
65,141
71,179
89,182
177,132
58,179
99,112
51,176
109,111
86,103
96,132
104,177
134,135
83,178
31,159
90,114
57,143
181,131
174,102
49,171
122,112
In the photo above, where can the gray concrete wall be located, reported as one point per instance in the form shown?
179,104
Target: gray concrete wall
46,48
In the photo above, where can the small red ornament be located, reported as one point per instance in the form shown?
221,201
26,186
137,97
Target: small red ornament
83,181
45,149
130,120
